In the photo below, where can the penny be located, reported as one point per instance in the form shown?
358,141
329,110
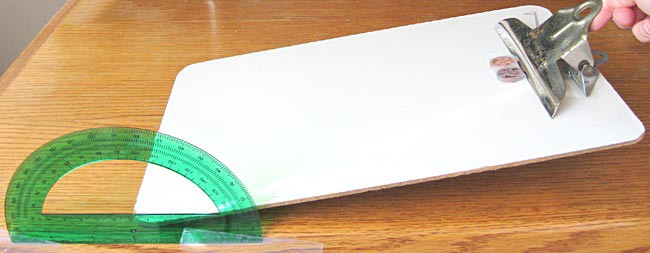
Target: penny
502,62
510,75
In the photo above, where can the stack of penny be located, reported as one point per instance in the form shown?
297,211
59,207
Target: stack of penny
506,69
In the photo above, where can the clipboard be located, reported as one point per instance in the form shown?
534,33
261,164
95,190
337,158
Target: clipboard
372,111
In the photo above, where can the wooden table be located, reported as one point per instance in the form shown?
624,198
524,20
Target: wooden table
113,63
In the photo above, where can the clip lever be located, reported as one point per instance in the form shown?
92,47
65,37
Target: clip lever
556,52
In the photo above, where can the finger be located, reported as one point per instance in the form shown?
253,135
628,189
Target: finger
621,3
601,19
641,30
638,14
644,6
624,17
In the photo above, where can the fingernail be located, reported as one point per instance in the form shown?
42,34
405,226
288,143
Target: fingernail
642,30
645,31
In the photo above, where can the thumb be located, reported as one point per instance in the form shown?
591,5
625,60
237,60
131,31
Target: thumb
641,30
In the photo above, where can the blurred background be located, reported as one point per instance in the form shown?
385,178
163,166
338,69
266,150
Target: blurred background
20,22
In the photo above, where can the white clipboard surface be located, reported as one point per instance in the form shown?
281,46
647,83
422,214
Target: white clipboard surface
373,110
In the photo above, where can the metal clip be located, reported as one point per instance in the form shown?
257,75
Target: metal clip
556,52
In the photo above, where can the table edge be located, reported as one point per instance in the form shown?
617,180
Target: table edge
17,66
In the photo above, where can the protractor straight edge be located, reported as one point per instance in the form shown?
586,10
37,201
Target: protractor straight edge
37,174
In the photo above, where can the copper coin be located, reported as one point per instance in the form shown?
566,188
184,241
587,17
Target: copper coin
510,75
502,61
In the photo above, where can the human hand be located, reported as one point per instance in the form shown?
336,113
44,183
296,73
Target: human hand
627,14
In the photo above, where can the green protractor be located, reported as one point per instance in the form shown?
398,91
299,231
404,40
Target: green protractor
44,167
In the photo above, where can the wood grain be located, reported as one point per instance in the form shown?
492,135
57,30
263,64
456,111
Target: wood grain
113,63
34,45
